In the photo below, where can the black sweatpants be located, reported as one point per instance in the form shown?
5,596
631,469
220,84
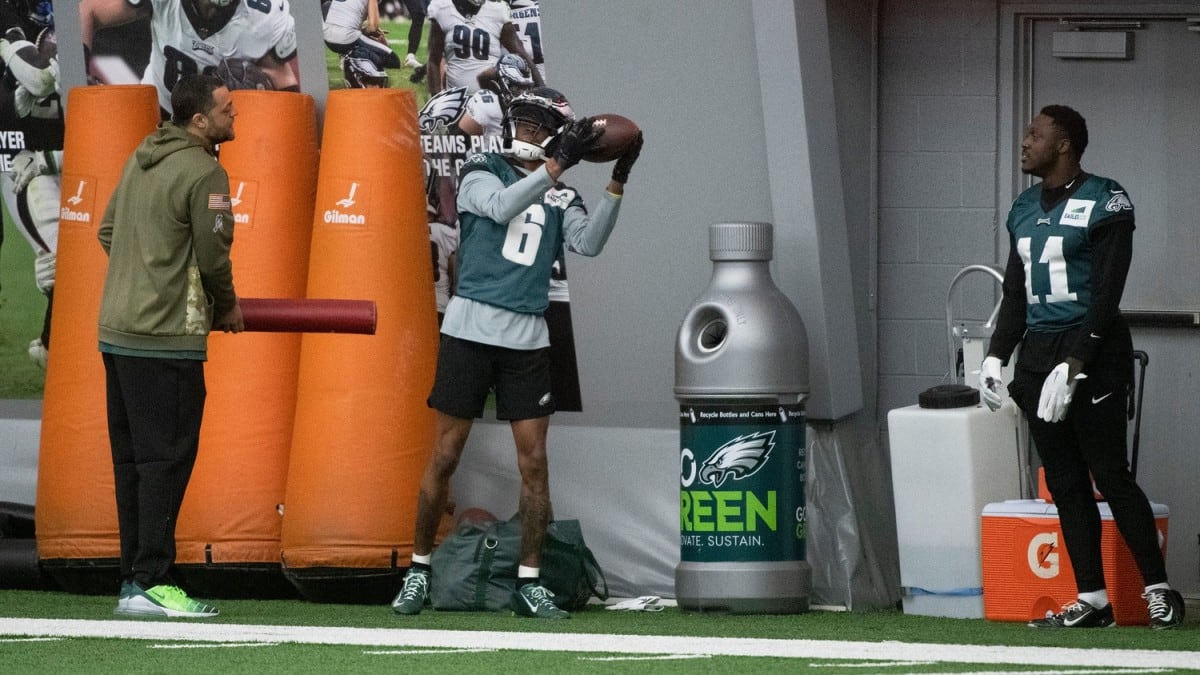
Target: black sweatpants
1090,443
154,411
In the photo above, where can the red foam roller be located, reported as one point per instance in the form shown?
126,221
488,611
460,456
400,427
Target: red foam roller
289,315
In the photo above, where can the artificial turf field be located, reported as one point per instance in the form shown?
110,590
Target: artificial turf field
43,631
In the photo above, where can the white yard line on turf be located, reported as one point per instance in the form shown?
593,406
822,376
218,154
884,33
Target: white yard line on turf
598,643
1073,671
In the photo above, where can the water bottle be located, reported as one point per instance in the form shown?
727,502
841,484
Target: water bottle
741,379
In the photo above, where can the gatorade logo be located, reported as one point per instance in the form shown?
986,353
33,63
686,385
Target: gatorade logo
1043,555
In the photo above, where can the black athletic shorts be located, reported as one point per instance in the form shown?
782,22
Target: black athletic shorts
467,371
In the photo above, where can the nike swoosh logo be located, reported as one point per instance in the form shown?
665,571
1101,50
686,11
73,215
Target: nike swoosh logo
1069,622
1094,336
528,604
1097,399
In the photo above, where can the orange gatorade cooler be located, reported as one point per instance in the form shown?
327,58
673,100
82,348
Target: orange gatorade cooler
1026,571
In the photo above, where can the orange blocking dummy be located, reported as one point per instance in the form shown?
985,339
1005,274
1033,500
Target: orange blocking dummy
363,432
229,527
76,503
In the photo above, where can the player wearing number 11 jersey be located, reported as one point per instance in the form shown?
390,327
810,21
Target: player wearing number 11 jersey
1070,245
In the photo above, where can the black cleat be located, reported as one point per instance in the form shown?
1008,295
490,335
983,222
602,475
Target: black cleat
1078,614
1166,608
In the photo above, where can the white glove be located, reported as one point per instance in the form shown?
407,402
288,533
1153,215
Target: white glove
23,101
12,43
44,264
37,352
27,165
991,383
646,603
1056,393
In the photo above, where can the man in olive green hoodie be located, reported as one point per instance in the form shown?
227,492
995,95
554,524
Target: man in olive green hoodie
167,231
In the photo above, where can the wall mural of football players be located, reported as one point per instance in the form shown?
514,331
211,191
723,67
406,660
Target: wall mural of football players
526,15
249,44
352,31
467,37
31,140
361,44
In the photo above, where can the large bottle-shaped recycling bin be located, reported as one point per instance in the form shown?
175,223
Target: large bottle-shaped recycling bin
741,378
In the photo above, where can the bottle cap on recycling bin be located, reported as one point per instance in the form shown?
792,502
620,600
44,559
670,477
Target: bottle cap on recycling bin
948,396
740,241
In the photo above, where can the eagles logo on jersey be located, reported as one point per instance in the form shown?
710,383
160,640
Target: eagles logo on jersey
477,159
442,110
1118,202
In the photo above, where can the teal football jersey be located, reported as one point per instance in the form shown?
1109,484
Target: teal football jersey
1056,248
509,264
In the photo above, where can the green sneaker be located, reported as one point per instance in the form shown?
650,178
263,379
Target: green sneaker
537,601
163,600
123,597
414,594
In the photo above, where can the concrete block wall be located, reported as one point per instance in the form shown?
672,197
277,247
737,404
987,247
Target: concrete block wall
937,183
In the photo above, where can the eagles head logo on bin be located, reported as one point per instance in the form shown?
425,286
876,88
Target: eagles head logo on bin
738,458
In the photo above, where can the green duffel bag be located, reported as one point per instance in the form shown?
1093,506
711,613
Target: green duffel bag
475,568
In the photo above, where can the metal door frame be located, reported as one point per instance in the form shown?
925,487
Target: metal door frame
1015,78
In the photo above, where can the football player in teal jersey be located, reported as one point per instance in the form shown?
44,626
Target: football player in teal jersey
1070,245
514,217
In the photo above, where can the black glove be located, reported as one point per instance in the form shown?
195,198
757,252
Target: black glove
576,141
625,162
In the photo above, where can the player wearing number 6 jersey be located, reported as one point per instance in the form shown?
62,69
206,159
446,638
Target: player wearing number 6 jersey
515,216
1070,244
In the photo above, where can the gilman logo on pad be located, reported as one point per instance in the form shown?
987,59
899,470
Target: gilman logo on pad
350,207
79,196
243,198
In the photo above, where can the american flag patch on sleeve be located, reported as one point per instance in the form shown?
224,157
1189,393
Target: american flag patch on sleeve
219,202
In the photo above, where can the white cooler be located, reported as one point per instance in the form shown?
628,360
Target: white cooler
947,464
